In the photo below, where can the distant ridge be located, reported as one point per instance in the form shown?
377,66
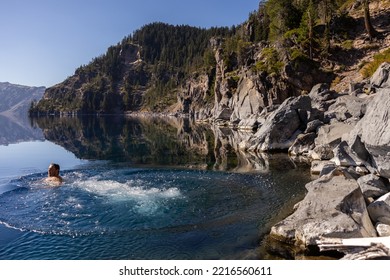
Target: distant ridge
16,99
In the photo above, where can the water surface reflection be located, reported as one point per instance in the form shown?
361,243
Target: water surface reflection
158,141
168,188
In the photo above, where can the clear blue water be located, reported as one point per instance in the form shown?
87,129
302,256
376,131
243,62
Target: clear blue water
121,209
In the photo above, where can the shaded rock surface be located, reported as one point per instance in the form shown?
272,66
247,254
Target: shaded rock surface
302,145
313,126
373,186
332,134
373,131
347,106
282,126
380,210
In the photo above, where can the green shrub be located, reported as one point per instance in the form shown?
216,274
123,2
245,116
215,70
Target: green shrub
347,45
297,54
269,62
369,69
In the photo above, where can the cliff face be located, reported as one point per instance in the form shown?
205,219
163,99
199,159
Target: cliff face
234,85
241,94
215,75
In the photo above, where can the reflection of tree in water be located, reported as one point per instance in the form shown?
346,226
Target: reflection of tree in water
137,140
159,141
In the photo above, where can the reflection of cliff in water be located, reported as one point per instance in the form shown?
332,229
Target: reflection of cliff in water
158,141
17,129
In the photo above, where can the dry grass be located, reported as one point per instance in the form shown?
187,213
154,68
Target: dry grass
371,67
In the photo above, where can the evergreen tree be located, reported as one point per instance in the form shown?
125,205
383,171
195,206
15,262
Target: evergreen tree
310,16
283,15
327,9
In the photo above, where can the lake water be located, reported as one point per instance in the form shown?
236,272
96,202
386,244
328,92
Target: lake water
138,188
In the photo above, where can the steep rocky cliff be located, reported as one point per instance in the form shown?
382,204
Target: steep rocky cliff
246,92
229,86
229,76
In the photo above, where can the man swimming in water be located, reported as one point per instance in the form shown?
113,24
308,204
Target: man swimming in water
53,174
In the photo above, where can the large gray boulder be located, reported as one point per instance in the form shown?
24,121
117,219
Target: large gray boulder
346,107
282,126
333,207
302,145
313,126
328,138
332,134
322,97
374,134
381,77
379,210
344,156
322,152
250,98
373,186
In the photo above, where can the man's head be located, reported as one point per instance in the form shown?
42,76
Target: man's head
54,170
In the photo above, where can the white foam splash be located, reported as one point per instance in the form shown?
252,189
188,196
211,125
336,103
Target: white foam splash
147,200
131,189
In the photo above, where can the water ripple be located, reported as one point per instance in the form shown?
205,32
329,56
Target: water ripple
107,212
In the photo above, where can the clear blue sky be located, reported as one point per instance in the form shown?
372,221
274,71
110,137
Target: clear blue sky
43,41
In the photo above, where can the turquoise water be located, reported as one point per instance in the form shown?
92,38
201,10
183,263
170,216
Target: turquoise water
118,206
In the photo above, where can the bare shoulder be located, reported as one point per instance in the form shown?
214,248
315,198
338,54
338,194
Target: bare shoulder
53,181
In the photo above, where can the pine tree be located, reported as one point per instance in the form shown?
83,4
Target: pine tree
283,15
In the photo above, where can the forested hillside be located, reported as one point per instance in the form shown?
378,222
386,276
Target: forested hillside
285,47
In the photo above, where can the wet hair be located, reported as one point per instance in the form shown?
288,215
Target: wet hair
56,166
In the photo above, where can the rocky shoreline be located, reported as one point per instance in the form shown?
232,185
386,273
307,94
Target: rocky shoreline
345,136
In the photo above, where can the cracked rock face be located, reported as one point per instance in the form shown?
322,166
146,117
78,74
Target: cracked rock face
282,127
381,77
374,133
